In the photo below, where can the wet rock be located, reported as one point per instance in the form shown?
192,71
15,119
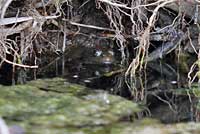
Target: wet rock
56,106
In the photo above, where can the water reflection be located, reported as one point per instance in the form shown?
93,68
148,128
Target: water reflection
158,87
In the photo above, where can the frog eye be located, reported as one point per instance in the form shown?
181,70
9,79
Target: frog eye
98,53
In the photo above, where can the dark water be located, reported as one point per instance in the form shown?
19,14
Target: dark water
160,100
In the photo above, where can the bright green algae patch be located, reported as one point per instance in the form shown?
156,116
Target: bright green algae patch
56,106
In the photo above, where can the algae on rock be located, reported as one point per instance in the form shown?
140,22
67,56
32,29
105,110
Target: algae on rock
54,103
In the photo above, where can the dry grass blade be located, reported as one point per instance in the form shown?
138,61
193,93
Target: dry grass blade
13,20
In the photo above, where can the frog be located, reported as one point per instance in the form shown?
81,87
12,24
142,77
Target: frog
101,58
91,56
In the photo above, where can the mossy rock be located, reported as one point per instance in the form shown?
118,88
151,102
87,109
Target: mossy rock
54,104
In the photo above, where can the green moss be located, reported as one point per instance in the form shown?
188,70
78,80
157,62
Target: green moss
54,104
58,85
